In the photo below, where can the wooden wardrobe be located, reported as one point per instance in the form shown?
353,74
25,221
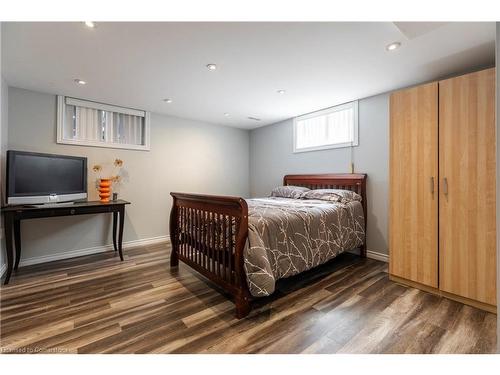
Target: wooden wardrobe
442,231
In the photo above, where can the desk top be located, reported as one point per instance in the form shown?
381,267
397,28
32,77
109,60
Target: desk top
64,205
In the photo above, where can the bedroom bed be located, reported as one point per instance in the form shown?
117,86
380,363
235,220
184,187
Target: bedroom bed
245,246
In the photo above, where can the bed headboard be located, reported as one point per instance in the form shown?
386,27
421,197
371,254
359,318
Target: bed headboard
348,181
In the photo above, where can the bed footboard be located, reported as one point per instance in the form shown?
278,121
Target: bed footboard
208,233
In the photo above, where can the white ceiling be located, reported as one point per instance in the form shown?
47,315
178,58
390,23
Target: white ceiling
318,64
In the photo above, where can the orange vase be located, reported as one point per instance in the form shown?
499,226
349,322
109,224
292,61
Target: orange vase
104,189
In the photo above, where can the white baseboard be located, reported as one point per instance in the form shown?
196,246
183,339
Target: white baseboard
127,245
377,256
91,250
373,255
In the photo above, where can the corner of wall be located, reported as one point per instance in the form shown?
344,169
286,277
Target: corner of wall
3,148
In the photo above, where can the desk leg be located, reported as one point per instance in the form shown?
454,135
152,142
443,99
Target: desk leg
17,239
120,231
8,246
115,225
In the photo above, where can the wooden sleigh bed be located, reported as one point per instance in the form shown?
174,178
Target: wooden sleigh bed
209,233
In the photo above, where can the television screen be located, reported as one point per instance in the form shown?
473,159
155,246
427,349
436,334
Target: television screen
44,177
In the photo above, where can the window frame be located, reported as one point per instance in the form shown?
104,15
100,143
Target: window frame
324,112
61,117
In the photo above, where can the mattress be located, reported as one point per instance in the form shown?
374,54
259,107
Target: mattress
289,236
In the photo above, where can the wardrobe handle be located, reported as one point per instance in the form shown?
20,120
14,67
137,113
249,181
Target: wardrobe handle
445,186
432,185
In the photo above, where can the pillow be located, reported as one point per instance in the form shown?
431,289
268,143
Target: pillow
348,195
332,195
294,192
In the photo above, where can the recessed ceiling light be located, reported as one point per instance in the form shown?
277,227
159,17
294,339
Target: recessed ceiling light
211,67
90,24
226,114
393,46
168,100
281,92
80,81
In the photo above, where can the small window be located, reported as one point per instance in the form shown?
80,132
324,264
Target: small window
333,127
82,122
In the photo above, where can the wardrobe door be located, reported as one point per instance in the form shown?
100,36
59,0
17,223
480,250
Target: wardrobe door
467,209
413,211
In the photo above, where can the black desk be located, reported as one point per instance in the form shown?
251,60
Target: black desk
14,214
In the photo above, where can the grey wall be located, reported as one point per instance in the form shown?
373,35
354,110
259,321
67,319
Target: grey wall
3,146
271,158
185,156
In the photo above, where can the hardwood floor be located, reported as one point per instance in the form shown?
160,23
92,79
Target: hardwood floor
97,304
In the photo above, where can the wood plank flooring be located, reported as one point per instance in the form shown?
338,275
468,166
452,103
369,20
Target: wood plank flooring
97,304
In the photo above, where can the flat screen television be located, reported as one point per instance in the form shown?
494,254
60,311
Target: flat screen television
34,178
